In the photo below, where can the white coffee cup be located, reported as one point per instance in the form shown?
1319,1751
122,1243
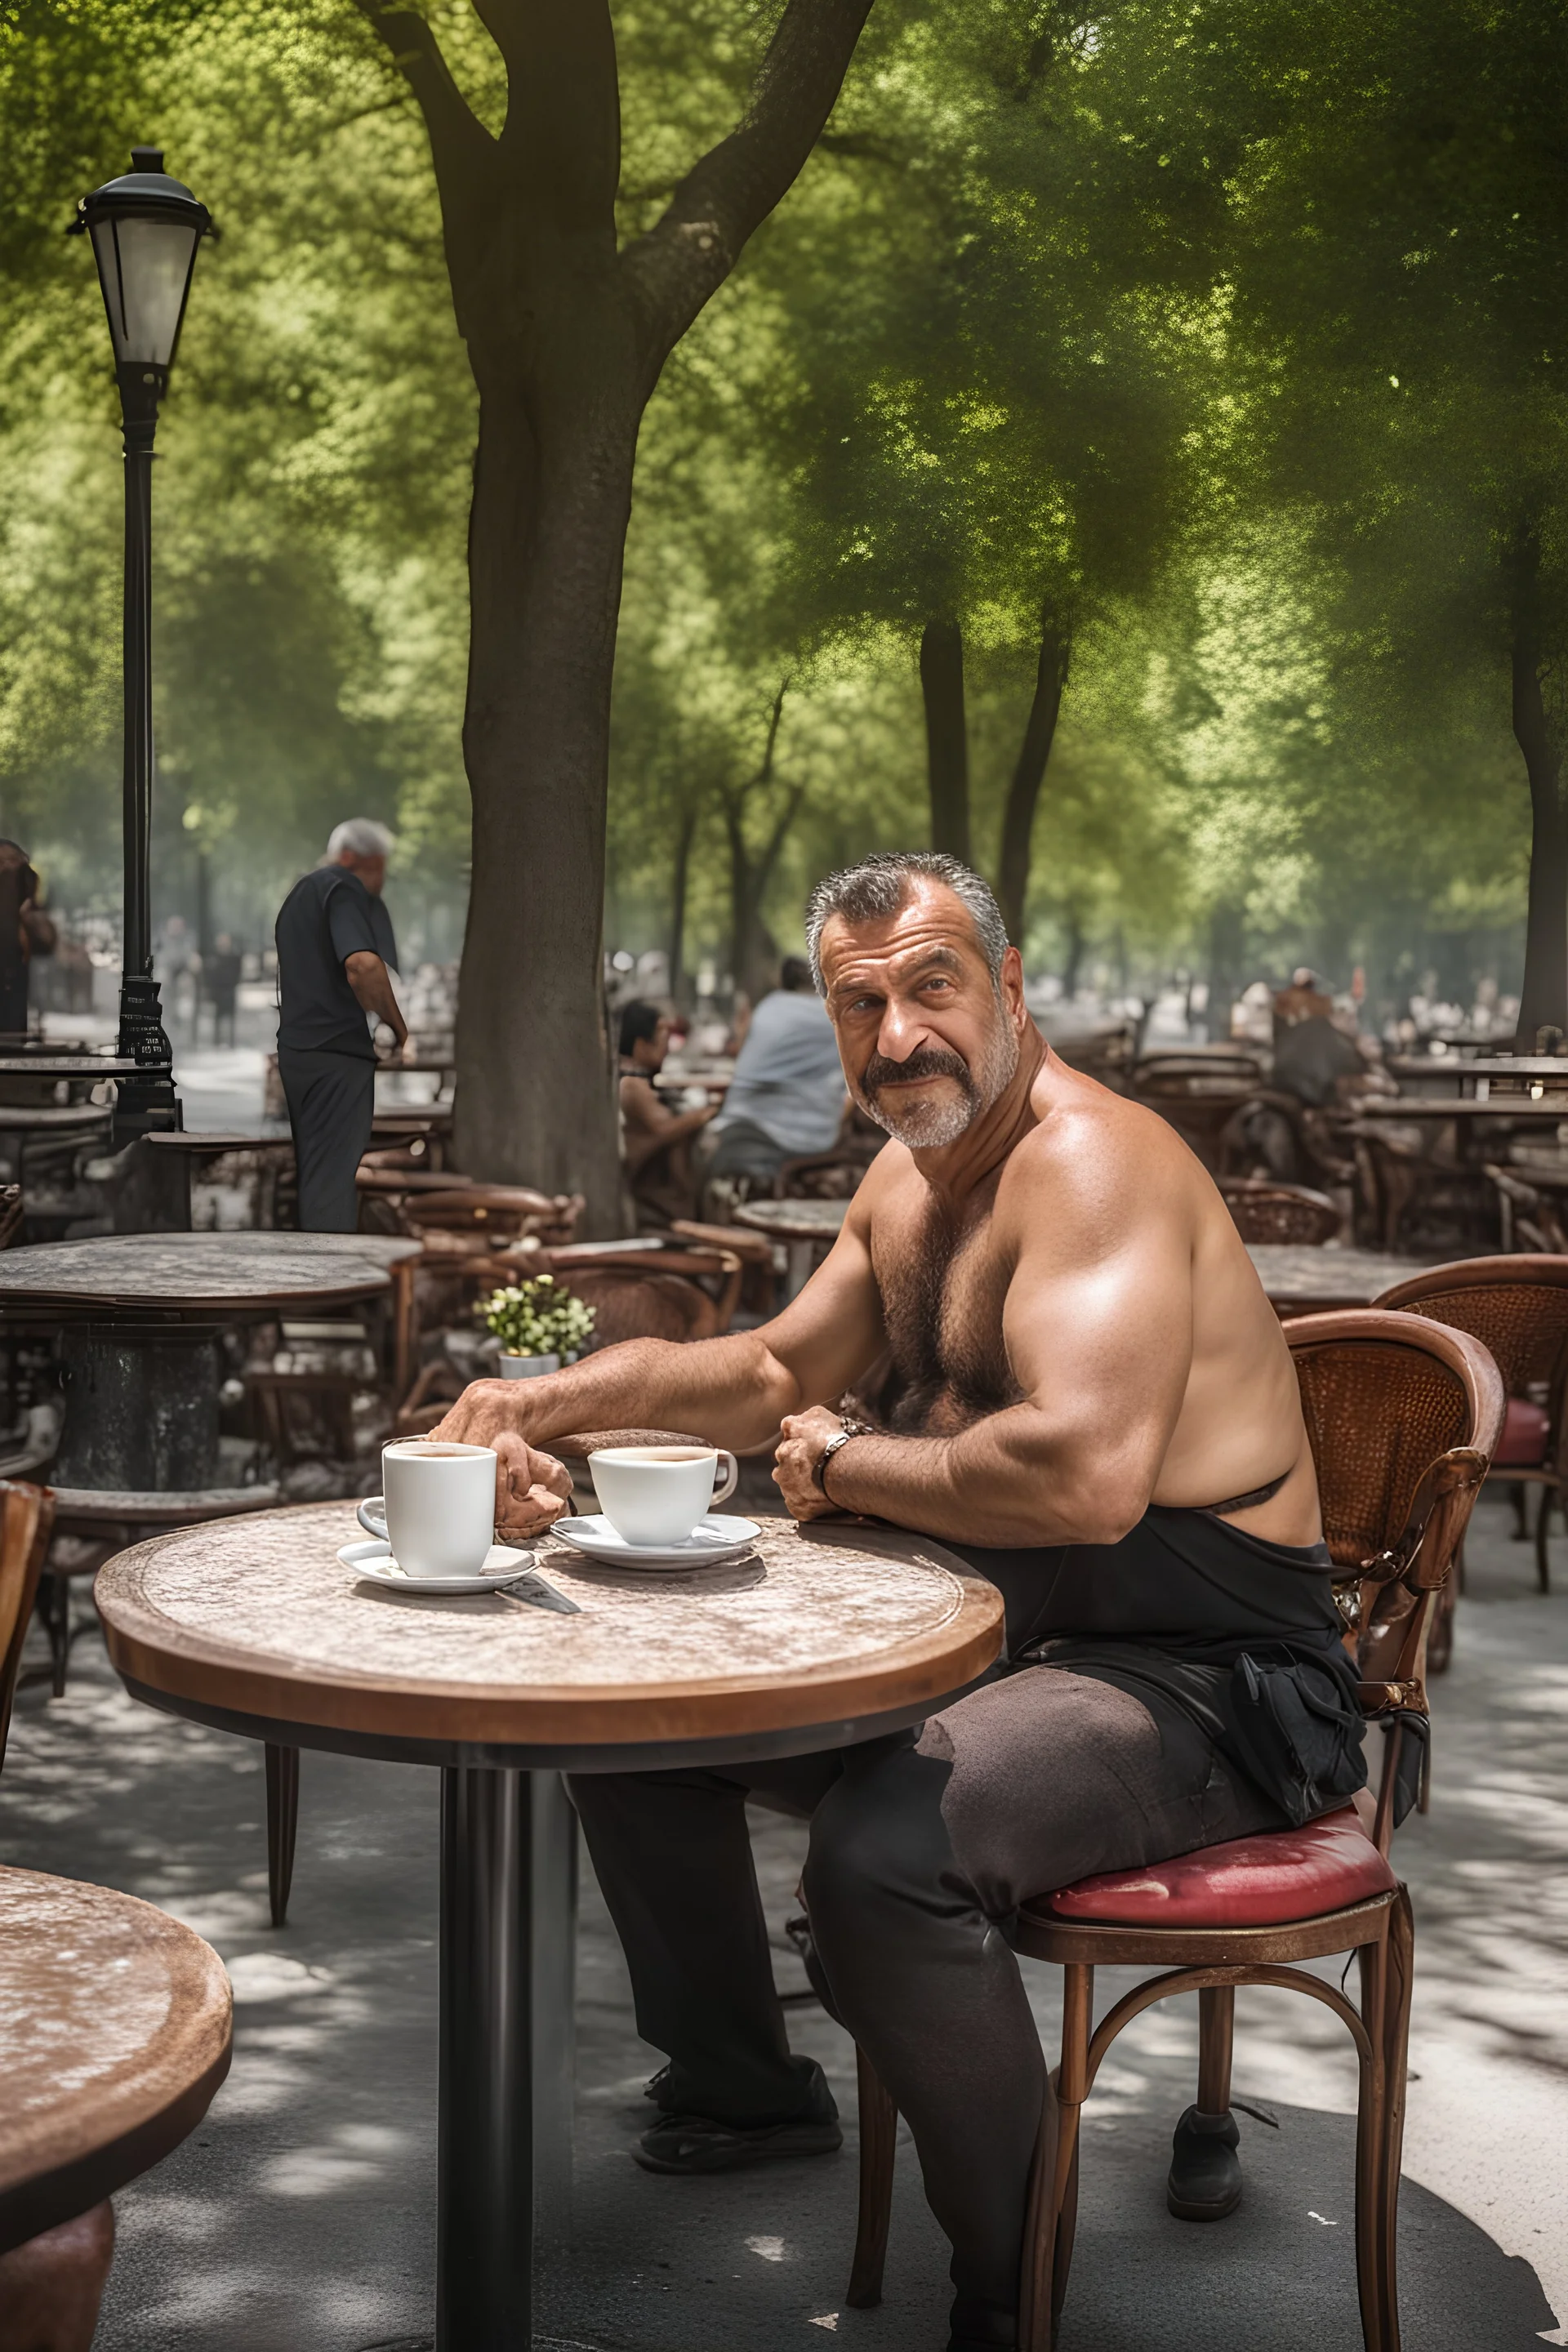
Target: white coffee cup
656,1494
438,1506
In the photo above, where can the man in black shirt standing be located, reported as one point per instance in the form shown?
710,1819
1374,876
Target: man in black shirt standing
335,948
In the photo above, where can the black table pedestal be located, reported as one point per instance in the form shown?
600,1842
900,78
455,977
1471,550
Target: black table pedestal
484,2247
141,1406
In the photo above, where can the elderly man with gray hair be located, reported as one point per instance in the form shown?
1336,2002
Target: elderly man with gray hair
335,955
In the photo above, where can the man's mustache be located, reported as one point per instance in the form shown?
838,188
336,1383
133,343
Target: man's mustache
925,1062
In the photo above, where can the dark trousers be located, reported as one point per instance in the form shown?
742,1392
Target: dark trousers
922,1847
332,1106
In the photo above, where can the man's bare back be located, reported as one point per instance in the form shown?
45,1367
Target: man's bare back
1074,1327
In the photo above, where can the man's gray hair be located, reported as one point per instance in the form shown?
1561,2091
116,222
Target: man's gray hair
878,886
361,835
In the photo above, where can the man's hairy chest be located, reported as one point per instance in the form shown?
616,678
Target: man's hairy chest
942,1285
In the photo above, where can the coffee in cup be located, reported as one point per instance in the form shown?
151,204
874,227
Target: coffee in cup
438,1506
656,1494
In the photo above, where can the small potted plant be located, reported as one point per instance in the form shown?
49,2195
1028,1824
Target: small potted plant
539,1325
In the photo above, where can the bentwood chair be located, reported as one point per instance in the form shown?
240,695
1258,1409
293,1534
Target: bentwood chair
26,1519
1278,1212
1402,1417
1517,1308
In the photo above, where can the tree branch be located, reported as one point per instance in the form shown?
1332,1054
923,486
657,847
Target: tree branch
679,264
455,130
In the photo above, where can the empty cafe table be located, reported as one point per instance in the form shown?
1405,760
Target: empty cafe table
115,2035
138,1315
806,1228
819,1638
1301,1280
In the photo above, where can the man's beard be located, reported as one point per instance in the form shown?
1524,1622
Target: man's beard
928,1126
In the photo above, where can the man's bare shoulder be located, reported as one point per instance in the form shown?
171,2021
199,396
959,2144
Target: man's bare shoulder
1095,1155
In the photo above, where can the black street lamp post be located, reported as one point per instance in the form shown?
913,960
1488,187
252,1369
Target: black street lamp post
146,229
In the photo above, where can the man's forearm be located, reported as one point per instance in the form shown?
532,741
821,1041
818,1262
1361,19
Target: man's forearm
732,1391
372,984
977,1487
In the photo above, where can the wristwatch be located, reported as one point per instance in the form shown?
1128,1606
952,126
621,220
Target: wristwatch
839,1439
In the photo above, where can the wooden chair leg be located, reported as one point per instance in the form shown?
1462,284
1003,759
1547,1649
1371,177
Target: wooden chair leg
1521,1511
1216,2028
1543,1528
1400,1976
1371,2139
282,1824
54,1607
1039,2295
1053,2211
878,2138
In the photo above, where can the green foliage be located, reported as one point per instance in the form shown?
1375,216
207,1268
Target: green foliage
1225,335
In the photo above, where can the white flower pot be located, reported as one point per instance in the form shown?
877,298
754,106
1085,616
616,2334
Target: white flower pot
527,1368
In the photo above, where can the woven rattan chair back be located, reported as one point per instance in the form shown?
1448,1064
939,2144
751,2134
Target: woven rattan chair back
1516,1306
1279,1212
27,1520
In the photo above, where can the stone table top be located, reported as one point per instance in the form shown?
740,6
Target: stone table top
795,1221
115,2035
259,1617
1329,1278
189,1273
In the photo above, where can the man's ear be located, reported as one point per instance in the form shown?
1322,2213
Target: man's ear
1013,985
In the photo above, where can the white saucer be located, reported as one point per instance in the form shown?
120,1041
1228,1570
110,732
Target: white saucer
711,1540
372,1560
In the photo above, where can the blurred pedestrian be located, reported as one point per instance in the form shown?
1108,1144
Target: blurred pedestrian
336,953
657,1140
221,973
24,931
787,1096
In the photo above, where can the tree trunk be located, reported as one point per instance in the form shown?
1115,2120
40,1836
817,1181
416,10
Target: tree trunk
679,880
567,334
1228,947
1077,942
1028,775
1544,1000
753,950
947,736
535,1090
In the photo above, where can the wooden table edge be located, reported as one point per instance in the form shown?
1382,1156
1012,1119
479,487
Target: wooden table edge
48,2199
927,1666
556,1714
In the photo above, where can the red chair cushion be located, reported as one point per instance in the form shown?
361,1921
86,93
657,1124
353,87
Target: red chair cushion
1250,1882
1525,1433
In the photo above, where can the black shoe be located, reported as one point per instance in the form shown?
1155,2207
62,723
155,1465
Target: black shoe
1205,2181
692,2144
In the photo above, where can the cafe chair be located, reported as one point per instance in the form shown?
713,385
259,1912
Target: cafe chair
1518,1308
1402,1416
1528,1218
11,1211
1288,1213
27,1520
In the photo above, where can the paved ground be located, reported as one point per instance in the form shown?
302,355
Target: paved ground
300,2218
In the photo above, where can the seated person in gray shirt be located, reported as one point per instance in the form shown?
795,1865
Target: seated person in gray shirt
335,950
787,1096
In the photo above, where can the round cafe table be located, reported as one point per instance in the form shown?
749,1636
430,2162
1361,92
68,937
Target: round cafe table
138,1315
806,1228
819,1637
1301,1280
115,2035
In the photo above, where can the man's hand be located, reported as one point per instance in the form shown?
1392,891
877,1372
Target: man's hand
532,1489
799,1451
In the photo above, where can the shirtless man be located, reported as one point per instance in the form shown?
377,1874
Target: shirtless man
1074,1377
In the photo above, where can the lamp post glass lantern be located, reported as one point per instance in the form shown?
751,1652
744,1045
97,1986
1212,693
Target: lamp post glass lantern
145,229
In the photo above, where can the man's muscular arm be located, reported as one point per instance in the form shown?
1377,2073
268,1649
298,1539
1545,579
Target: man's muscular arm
1098,1329
733,1391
